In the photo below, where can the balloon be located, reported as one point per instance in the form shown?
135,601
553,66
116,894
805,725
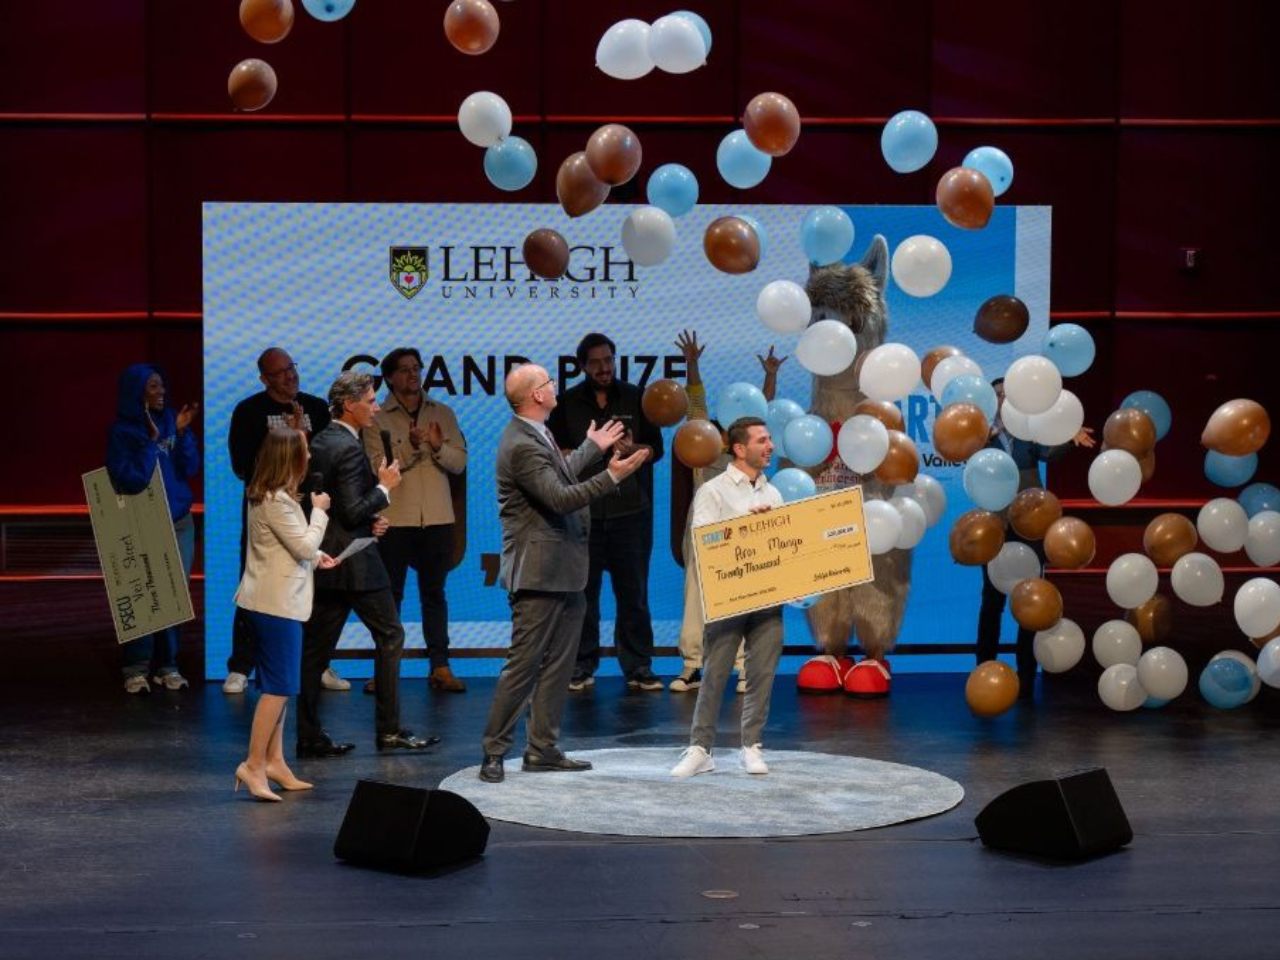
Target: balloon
890,372
577,188
328,10
471,26
1069,543
676,44
781,412
927,492
758,227
1197,580
1001,319
1036,604
251,85
623,51
826,234
1262,543
908,141
267,21
948,369
1131,580
1116,642
1059,648
921,265
1070,347
965,198
1237,428
731,245
914,522
972,389
546,254
1247,662
807,440
511,163
826,348
1226,683
703,28
959,431
1223,525
1169,537
976,538
1257,607
484,118
1130,429
673,188
648,235
884,526
884,411
1258,497
991,689
933,358
1119,689
1153,620
1032,384
1114,477
804,603
1269,664
794,484
613,154
994,164
1033,511
1154,406
784,306
1060,423
1227,471
1015,422
862,443
741,164
991,479
772,124
665,403
697,443
1014,563
1261,642
739,400
902,462
1147,465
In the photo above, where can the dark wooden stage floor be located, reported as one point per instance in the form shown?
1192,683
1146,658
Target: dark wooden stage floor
120,837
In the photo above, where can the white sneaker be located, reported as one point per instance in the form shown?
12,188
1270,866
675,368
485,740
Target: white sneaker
693,761
170,681
753,759
331,681
235,683
137,684
687,681
742,684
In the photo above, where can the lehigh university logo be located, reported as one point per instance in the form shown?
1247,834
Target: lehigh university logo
408,270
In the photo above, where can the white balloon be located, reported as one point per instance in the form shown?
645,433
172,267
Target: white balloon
890,372
623,51
1269,664
921,265
884,526
1116,641
1257,607
784,306
484,118
1119,687
1132,580
862,443
827,348
948,369
1059,648
648,234
1248,665
1032,384
1262,544
1197,580
1060,423
1014,563
1115,476
1015,422
676,44
1223,525
1162,673
929,493
914,522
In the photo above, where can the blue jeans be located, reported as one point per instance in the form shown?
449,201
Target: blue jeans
162,648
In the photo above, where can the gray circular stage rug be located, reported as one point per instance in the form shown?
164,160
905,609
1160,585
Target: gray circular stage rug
631,792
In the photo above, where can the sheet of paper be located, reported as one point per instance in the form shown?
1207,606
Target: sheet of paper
355,546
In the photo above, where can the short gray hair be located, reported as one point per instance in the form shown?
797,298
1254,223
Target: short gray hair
350,386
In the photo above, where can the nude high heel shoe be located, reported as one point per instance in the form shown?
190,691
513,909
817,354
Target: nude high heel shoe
286,778
259,789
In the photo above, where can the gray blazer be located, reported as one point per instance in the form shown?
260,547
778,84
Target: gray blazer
543,509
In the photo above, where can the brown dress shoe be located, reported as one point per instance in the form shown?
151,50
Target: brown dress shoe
442,678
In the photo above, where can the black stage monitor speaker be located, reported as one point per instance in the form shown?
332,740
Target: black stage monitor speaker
409,829
1070,818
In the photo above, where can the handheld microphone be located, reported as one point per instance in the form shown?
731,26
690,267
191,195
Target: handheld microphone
315,482
386,447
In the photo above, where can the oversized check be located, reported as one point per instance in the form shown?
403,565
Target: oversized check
761,560
141,566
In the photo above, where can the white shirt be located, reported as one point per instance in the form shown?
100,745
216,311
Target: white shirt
732,495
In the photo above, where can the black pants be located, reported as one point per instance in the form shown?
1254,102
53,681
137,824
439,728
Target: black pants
622,547
991,613
429,551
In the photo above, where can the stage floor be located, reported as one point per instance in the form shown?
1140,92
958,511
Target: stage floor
121,837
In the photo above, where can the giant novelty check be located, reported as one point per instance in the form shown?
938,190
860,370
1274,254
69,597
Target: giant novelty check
141,566
761,560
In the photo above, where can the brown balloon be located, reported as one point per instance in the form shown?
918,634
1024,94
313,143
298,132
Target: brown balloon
991,689
902,462
251,85
1001,319
697,443
267,21
731,245
664,403
976,538
471,26
884,411
1168,538
965,198
546,254
1261,642
1132,430
1153,619
1148,466
1237,428
577,188
932,359
1069,543
959,431
1033,511
613,153
1036,604
772,124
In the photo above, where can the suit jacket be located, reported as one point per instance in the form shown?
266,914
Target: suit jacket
346,476
282,547
544,511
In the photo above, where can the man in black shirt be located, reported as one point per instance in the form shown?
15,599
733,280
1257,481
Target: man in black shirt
621,522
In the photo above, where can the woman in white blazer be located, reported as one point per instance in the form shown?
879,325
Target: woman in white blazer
275,595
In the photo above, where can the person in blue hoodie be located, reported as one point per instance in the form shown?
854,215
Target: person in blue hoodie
147,433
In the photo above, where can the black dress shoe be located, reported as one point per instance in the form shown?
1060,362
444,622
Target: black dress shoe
405,740
491,770
323,746
542,763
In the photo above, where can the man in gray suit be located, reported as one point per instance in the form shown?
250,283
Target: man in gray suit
546,524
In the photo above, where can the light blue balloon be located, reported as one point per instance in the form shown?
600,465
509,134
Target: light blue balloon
1070,347
328,10
510,163
909,141
1155,703
808,440
758,227
994,164
1257,497
1228,471
673,188
1226,683
826,234
804,603
1154,406
740,163
991,479
794,484
781,412
971,388
739,400
704,28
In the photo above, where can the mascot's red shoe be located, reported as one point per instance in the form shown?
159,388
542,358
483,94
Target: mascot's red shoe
868,679
821,675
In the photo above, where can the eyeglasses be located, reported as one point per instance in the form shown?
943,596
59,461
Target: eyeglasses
283,371
547,384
